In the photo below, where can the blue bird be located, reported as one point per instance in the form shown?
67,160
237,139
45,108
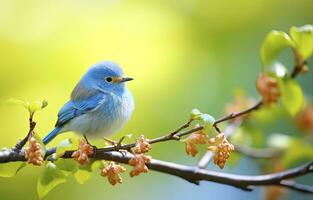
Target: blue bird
99,106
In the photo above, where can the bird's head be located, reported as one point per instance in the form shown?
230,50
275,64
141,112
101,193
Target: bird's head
107,76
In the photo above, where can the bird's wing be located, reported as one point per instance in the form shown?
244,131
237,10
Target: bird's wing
74,108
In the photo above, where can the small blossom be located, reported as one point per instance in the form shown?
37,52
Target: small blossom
198,137
33,152
240,103
142,145
305,120
139,162
84,150
221,149
268,88
112,171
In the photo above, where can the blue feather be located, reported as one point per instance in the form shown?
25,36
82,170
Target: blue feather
73,109
51,135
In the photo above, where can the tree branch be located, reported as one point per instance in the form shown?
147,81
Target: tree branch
263,153
296,186
300,64
194,174
18,147
237,114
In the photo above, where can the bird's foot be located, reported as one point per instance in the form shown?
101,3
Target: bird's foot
112,142
117,145
86,139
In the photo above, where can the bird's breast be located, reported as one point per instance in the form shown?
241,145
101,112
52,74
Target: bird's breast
108,118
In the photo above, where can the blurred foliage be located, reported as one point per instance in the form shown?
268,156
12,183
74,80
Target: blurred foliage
182,54
273,44
303,39
292,96
205,118
10,169
31,106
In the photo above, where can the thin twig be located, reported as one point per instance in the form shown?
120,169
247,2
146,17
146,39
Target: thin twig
175,135
299,64
32,125
237,114
296,186
186,125
262,153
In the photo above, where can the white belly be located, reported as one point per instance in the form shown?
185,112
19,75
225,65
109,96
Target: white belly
106,120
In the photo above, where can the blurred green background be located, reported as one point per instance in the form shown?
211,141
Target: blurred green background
183,54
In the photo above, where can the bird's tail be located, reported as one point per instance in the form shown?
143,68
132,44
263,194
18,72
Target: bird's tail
51,135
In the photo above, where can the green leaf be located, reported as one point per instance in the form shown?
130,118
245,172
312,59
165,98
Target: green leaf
37,105
10,169
97,164
17,102
208,121
65,145
274,42
83,174
292,96
195,114
69,166
44,104
50,177
303,38
295,154
268,114
32,106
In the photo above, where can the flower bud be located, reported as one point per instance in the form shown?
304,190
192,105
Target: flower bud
142,145
113,171
221,149
305,120
139,162
198,137
268,88
33,152
81,154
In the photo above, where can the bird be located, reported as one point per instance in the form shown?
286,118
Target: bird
99,105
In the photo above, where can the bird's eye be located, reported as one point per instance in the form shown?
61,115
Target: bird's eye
108,79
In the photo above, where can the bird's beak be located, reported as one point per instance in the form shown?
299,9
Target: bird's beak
124,79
